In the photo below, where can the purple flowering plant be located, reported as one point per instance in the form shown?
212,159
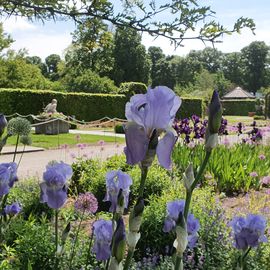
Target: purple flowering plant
116,181
8,176
248,232
54,186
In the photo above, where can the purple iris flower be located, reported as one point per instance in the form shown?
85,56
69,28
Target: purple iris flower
116,180
54,187
12,209
149,115
174,209
103,232
8,175
249,231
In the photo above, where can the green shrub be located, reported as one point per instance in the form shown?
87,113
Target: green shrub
259,117
27,193
131,88
32,241
191,106
119,129
83,106
238,107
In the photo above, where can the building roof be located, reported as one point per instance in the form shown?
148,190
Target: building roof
238,93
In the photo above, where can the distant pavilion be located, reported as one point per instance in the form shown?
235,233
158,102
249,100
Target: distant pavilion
238,93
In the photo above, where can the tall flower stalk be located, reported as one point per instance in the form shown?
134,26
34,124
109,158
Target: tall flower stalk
211,141
148,133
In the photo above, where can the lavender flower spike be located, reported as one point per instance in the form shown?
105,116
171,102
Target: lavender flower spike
54,187
103,232
249,231
116,180
149,115
8,175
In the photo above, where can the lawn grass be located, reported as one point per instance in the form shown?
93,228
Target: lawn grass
246,120
54,141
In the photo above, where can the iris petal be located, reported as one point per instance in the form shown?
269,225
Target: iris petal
137,143
164,149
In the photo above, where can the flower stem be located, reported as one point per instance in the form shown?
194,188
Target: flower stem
89,247
56,239
179,258
16,147
144,171
21,157
75,241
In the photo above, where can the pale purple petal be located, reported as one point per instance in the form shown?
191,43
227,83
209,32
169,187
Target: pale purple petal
174,208
160,107
169,224
135,109
165,148
137,143
56,198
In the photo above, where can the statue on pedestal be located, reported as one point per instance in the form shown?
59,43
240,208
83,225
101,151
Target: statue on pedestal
51,107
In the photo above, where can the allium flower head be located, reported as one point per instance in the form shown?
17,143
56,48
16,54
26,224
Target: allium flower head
86,203
116,180
19,126
249,231
174,209
253,174
265,180
54,187
12,209
262,157
8,175
103,232
149,115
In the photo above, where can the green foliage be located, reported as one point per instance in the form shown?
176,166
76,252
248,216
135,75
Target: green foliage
229,168
131,88
89,175
87,81
27,193
238,106
5,39
17,73
84,106
191,106
131,60
32,243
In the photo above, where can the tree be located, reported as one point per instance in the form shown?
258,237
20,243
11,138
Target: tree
181,16
255,61
155,55
5,39
233,67
52,62
36,60
92,48
131,60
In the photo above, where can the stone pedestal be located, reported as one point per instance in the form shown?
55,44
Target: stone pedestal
52,128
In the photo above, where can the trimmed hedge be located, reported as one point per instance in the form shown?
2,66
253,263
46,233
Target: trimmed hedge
191,106
238,107
84,106
131,88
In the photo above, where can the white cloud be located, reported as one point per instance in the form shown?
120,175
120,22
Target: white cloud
13,24
43,45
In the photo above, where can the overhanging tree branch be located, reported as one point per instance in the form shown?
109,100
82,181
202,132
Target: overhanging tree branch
174,20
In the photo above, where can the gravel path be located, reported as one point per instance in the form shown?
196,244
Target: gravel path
33,164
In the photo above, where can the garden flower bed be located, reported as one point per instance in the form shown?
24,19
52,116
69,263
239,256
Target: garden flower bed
169,212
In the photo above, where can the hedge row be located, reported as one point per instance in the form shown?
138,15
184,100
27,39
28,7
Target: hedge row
83,106
238,107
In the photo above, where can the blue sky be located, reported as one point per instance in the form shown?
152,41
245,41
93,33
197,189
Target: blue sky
53,37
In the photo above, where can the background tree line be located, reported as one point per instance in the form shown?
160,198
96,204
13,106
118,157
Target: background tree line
100,58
